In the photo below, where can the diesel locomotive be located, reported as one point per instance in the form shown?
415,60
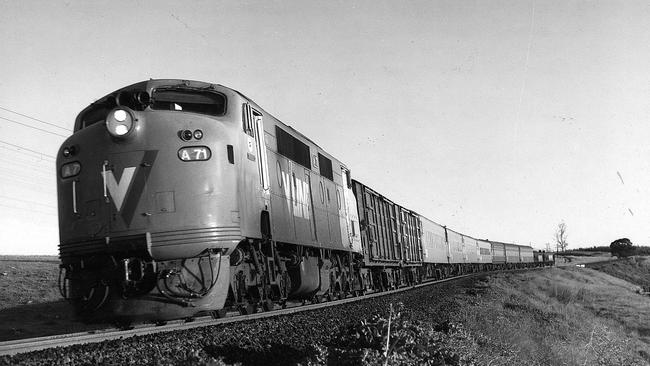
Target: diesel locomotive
178,198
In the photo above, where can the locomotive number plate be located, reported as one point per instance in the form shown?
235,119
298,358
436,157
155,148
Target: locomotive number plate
194,153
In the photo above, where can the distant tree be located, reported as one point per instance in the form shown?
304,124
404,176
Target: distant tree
561,236
622,248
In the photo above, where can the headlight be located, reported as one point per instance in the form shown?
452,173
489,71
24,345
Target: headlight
119,122
70,169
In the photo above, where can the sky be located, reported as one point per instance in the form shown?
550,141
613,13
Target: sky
499,119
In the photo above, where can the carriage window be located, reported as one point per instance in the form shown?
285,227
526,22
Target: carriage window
325,166
292,148
189,100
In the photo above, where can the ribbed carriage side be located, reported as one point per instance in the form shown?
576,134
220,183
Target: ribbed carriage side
435,250
512,253
390,234
471,250
456,247
498,253
485,251
526,254
434,245
391,240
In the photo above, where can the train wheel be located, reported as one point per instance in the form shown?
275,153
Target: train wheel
247,309
124,325
218,314
268,305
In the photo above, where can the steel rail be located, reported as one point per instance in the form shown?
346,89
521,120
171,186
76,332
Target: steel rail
13,347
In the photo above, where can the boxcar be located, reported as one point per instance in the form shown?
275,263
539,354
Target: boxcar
390,238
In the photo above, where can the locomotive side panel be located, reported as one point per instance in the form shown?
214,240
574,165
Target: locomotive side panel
330,189
292,217
307,184
282,219
434,245
352,219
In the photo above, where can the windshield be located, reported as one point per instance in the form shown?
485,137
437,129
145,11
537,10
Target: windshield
168,98
189,100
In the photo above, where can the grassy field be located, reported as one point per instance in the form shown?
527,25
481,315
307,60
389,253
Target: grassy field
576,257
30,302
559,316
634,269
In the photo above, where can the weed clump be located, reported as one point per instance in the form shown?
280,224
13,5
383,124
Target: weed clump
396,340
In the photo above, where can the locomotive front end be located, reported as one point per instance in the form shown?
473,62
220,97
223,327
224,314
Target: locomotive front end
147,198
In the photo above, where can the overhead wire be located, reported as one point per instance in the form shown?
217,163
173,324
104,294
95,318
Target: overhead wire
36,128
35,119
30,150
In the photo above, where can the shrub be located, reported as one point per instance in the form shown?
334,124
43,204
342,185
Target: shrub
622,247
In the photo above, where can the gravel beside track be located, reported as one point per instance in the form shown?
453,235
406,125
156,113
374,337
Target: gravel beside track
287,339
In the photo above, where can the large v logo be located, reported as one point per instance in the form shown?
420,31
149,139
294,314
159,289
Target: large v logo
126,191
119,189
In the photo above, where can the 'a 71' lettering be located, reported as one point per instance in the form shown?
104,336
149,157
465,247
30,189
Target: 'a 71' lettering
194,153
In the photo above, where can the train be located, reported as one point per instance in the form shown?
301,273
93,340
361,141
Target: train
178,198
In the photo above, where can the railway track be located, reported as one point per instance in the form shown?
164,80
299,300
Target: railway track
14,347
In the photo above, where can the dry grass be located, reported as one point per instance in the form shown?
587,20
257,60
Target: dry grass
30,302
561,316
635,270
27,280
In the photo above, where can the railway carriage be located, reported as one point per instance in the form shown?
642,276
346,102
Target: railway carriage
498,254
485,254
180,197
391,238
471,252
456,249
435,250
